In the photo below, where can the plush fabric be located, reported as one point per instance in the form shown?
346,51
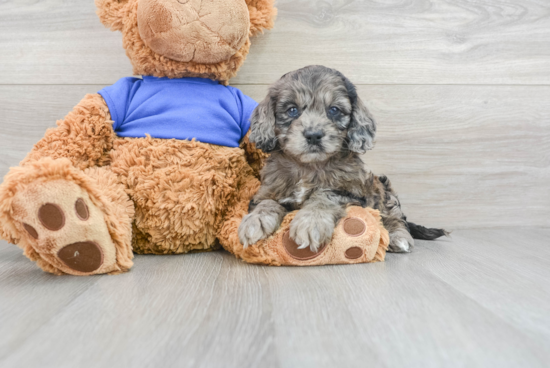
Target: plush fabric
85,136
346,247
180,202
205,32
122,15
26,189
183,108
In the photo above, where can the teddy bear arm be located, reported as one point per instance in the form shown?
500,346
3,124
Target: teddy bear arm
85,136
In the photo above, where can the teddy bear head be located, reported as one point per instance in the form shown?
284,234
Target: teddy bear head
187,38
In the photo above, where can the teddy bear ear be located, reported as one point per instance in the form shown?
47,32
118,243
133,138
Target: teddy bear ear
111,13
262,15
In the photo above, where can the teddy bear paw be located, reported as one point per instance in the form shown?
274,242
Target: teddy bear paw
357,238
65,228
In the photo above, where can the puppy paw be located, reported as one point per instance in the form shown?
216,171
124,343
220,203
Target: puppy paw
401,242
312,229
257,226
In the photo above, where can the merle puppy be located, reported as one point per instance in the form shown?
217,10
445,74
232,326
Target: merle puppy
316,127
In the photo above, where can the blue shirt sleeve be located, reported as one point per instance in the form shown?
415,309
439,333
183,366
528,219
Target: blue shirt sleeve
246,107
118,97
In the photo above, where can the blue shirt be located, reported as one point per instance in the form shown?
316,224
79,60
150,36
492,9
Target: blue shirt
184,108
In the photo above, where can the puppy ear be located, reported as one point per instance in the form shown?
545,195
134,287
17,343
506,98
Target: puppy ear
262,126
262,15
110,13
362,127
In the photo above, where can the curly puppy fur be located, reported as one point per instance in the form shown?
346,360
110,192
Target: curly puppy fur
316,127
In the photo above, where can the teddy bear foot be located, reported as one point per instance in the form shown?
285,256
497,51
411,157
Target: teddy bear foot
65,227
67,220
358,238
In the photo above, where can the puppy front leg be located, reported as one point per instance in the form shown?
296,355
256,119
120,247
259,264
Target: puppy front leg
315,222
401,240
263,221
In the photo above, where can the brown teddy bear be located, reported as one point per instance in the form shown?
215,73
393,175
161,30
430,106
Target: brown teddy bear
160,164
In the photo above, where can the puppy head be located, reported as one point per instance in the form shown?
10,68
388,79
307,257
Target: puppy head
312,114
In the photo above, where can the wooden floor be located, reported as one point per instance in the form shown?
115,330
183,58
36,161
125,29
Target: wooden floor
461,93
480,299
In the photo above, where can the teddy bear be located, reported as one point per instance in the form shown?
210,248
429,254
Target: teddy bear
162,163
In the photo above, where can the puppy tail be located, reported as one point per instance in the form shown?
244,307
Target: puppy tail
423,233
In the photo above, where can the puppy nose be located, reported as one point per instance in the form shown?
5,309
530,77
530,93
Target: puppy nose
314,137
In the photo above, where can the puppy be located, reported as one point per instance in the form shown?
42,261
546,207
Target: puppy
316,127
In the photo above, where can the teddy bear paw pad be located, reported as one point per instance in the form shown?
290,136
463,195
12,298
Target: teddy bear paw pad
354,253
81,256
354,226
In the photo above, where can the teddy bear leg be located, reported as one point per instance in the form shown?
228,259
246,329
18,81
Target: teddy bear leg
67,220
359,237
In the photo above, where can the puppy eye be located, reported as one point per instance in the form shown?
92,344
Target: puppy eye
292,112
334,110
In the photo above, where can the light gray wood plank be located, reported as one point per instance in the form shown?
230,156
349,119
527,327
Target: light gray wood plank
459,156
178,314
496,257
395,315
463,157
29,297
412,42
473,301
